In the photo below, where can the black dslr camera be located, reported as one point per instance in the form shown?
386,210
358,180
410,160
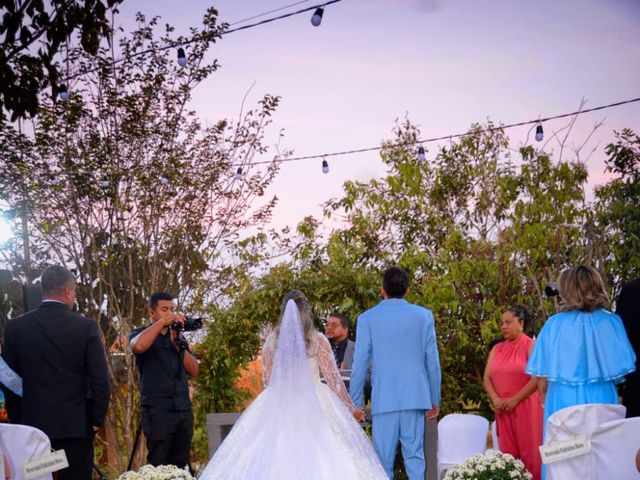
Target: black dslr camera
190,324
551,291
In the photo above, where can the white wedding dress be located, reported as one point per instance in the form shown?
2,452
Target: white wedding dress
298,428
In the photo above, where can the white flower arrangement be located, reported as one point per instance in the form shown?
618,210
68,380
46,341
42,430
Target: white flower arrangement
161,472
500,466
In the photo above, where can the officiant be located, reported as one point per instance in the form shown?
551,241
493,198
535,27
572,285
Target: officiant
337,331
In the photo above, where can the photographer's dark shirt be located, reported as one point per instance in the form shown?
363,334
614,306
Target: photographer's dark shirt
165,382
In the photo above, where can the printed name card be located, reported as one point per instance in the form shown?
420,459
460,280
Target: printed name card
556,451
48,463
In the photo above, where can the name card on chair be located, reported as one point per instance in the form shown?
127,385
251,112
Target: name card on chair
46,464
555,451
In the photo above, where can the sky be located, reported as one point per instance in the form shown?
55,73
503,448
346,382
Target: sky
443,64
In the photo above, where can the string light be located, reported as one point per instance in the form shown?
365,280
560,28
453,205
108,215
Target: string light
316,18
451,136
421,155
63,93
182,58
164,179
238,175
195,38
539,133
325,166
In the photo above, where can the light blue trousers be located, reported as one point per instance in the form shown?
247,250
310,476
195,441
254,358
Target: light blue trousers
408,427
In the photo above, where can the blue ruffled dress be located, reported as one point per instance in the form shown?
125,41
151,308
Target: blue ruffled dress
582,355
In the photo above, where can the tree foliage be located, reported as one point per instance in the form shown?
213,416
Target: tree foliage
33,33
618,210
477,227
125,185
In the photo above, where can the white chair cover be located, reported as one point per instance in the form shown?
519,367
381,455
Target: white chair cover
614,446
460,436
20,444
578,420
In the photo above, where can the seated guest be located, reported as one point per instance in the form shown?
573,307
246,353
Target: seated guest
337,331
628,307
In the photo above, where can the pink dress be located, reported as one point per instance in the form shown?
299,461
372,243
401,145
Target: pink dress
519,431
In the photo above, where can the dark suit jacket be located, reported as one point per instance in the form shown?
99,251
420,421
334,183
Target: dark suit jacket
61,359
628,307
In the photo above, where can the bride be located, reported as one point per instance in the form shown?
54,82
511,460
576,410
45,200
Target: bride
298,428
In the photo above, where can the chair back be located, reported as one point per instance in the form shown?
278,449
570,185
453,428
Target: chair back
578,420
614,446
21,444
460,436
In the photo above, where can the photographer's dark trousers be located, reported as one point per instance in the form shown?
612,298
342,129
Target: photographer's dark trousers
168,435
79,452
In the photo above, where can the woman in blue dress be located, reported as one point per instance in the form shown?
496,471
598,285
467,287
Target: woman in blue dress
583,351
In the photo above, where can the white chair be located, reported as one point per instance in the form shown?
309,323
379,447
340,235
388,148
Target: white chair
578,420
460,436
613,448
21,443
494,436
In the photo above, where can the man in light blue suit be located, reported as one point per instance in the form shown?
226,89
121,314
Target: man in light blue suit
399,339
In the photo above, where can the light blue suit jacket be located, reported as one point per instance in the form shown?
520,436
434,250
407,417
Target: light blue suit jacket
400,340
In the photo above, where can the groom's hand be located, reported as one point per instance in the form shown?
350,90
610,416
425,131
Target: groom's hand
433,413
359,415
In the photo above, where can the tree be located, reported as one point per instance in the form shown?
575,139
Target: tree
617,211
47,26
476,232
125,185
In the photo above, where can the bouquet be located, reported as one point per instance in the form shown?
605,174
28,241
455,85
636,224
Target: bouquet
500,466
161,472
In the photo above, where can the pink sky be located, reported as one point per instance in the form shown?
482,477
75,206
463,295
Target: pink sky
446,64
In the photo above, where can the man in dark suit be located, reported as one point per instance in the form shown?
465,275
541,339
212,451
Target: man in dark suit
61,358
628,307
337,331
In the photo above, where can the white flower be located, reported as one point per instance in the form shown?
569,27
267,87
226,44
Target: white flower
162,472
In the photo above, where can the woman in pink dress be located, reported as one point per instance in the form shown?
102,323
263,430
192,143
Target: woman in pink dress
517,403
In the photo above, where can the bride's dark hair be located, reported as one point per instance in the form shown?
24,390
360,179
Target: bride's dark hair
306,319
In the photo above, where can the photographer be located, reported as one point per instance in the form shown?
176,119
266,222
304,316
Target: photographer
165,365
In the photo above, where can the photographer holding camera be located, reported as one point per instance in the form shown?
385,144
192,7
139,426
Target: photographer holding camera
165,365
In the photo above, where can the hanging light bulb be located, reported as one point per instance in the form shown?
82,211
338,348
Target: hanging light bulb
105,182
182,57
539,133
316,19
325,166
238,175
421,156
63,93
164,178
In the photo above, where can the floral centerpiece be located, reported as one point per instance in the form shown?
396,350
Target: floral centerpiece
161,472
500,466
